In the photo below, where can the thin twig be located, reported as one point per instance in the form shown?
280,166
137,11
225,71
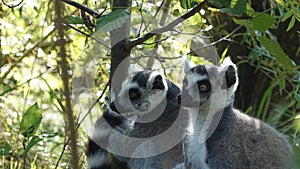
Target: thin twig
221,39
142,18
156,13
166,6
21,84
77,127
156,42
96,101
14,64
88,36
83,8
163,29
193,34
12,6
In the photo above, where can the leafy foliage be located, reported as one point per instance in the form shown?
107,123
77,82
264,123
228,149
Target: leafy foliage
264,39
275,50
31,120
112,20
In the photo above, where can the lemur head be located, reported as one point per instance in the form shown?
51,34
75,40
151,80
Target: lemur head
205,86
141,93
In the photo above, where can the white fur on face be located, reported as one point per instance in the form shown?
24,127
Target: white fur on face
152,77
154,97
208,115
192,88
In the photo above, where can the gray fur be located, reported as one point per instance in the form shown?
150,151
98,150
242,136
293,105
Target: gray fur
222,137
158,115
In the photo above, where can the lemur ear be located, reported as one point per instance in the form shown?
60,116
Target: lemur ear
187,64
230,76
230,70
158,83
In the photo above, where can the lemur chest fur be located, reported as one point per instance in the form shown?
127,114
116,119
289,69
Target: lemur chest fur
220,136
195,147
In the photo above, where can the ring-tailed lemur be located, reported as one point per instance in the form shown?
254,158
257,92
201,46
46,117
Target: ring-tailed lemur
148,100
97,156
219,136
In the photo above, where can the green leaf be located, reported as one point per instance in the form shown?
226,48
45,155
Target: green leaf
73,20
297,98
31,121
291,24
221,3
187,4
280,2
276,51
237,7
4,148
33,141
176,12
243,22
265,102
262,22
112,20
287,15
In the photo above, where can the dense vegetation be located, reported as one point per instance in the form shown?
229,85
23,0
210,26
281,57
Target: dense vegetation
57,57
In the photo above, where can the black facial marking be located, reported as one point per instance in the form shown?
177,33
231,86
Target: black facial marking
204,86
158,83
230,76
141,78
134,94
200,69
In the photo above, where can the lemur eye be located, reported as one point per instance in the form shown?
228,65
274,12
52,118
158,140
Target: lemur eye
204,86
134,93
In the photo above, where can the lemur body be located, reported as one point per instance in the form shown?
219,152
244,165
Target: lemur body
219,136
151,98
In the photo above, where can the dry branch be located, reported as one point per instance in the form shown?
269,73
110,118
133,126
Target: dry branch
82,7
65,78
163,29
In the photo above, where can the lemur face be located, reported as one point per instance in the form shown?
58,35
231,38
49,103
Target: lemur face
141,93
205,85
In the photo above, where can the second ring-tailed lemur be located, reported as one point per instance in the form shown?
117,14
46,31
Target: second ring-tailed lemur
148,99
219,136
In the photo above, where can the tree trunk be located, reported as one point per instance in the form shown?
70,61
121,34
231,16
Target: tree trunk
120,55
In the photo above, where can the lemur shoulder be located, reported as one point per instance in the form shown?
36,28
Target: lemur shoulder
220,136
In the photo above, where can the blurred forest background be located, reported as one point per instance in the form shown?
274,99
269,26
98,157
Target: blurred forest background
57,57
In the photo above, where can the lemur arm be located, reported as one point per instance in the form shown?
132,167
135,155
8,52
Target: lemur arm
98,157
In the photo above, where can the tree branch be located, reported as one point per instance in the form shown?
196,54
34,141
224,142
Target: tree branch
12,6
80,122
87,35
168,27
166,6
25,54
83,8
65,78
